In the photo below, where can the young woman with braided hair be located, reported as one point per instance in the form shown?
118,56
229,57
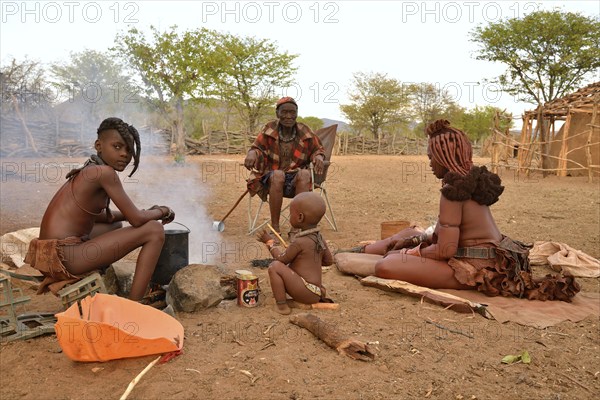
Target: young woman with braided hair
466,250
80,234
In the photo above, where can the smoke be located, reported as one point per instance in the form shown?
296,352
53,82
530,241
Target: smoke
160,181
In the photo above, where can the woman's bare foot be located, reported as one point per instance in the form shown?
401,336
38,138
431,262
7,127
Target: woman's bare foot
283,308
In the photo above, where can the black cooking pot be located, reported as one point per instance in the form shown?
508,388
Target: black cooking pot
173,256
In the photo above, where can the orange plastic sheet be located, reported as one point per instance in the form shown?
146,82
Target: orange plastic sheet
111,327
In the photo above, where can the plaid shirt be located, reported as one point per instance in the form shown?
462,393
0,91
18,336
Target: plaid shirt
267,145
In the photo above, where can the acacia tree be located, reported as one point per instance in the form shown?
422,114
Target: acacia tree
429,103
174,68
377,101
478,122
24,88
249,71
24,85
547,53
97,80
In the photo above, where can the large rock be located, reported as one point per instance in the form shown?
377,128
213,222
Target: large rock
118,278
195,287
14,245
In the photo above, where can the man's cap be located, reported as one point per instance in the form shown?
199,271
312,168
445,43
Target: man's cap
284,100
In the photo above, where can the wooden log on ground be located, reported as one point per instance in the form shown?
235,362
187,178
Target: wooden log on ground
333,337
431,295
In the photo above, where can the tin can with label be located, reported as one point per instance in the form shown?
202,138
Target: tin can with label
246,288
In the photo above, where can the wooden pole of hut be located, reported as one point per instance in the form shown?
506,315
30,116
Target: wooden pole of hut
509,145
564,148
530,147
531,154
494,144
544,143
521,155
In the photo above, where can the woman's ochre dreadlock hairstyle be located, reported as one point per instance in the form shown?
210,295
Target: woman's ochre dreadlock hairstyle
450,147
128,133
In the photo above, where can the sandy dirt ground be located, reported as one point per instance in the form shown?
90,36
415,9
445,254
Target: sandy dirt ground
415,359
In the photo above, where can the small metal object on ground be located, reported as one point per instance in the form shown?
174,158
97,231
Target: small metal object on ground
220,225
246,288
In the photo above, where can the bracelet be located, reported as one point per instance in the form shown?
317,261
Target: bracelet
163,216
415,240
418,239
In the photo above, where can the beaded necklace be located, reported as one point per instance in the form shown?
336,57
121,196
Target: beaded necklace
283,139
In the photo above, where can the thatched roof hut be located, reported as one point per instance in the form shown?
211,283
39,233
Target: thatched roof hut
573,150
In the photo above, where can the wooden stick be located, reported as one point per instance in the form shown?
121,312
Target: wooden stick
277,235
325,306
335,339
137,378
450,330
235,205
577,382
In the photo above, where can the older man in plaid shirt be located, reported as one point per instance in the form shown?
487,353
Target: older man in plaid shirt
280,157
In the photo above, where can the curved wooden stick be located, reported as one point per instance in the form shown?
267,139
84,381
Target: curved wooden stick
277,235
137,378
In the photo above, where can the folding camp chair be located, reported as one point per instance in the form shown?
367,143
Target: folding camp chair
327,137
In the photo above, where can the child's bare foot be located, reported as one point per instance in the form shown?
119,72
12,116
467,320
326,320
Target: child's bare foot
283,308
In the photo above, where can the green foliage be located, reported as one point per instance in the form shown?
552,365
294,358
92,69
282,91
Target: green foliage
313,122
478,122
249,72
430,103
548,53
172,64
24,83
173,67
524,358
95,80
377,101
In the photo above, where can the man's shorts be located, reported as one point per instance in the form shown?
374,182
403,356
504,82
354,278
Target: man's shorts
289,186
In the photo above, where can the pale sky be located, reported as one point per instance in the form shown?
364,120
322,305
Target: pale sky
412,41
